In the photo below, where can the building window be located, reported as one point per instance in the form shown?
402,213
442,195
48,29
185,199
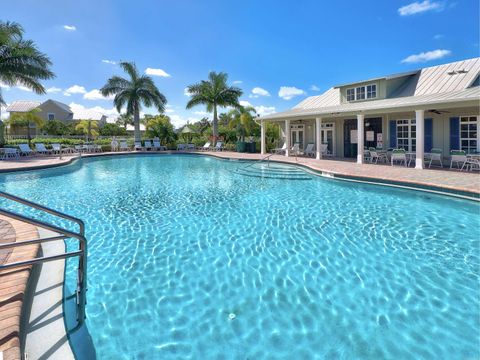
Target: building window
350,94
469,134
407,135
51,116
362,92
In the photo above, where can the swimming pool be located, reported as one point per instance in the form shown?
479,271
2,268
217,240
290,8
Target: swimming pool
189,260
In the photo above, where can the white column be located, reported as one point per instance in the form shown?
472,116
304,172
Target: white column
318,136
360,137
420,144
262,138
287,137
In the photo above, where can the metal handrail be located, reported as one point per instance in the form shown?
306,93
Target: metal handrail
261,160
63,234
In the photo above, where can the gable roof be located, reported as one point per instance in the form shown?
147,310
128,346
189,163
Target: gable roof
445,83
88,115
23,105
59,104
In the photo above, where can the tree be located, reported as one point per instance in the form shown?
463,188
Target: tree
243,121
21,63
88,127
27,119
132,93
124,120
160,127
55,127
214,93
112,130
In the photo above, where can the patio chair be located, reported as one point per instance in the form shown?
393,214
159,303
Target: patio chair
190,147
138,146
205,147
181,147
56,148
148,145
280,151
324,150
219,146
398,155
25,150
9,153
376,156
157,146
310,150
472,164
97,148
459,157
41,149
124,146
295,150
78,148
434,155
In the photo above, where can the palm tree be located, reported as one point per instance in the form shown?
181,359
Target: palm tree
214,92
133,92
124,120
88,127
243,121
27,119
21,63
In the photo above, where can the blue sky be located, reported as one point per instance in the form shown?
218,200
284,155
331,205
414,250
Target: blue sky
278,52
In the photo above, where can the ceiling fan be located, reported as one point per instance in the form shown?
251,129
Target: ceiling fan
438,112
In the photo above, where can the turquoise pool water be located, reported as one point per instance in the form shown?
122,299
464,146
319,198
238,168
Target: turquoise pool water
189,260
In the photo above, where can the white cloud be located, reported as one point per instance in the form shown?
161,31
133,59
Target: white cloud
24,88
201,113
245,103
258,91
108,112
169,111
111,62
76,89
289,92
426,56
96,95
66,94
265,110
186,93
438,36
70,27
420,7
156,72
314,88
53,89
236,82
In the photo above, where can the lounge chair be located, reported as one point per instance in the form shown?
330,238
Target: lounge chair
398,155
205,147
190,147
25,150
181,147
124,146
376,155
148,145
459,157
97,148
79,148
324,149
434,155
157,146
280,151
56,148
219,146
9,153
41,149
472,164
310,150
295,150
138,146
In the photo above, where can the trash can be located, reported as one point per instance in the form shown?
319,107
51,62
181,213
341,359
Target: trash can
241,146
251,147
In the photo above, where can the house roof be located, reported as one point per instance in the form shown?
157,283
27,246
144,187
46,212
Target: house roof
60,105
87,115
23,105
429,86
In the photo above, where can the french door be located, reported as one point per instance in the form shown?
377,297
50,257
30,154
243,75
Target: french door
297,135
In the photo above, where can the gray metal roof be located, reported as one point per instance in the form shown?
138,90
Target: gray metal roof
23,105
60,105
442,83
87,115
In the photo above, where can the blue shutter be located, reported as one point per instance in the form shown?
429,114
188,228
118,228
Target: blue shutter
454,133
393,133
428,135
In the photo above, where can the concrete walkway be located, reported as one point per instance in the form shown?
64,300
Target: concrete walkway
449,180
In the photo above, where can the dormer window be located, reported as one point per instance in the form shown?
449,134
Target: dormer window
362,92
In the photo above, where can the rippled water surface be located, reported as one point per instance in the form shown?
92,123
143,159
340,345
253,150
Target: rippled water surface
189,260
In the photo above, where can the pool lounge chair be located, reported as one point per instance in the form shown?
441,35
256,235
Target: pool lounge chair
57,148
124,146
25,150
190,147
157,146
219,146
459,157
181,147
280,151
295,150
205,147
398,155
138,146
148,145
41,149
434,155
310,150
324,150
10,153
